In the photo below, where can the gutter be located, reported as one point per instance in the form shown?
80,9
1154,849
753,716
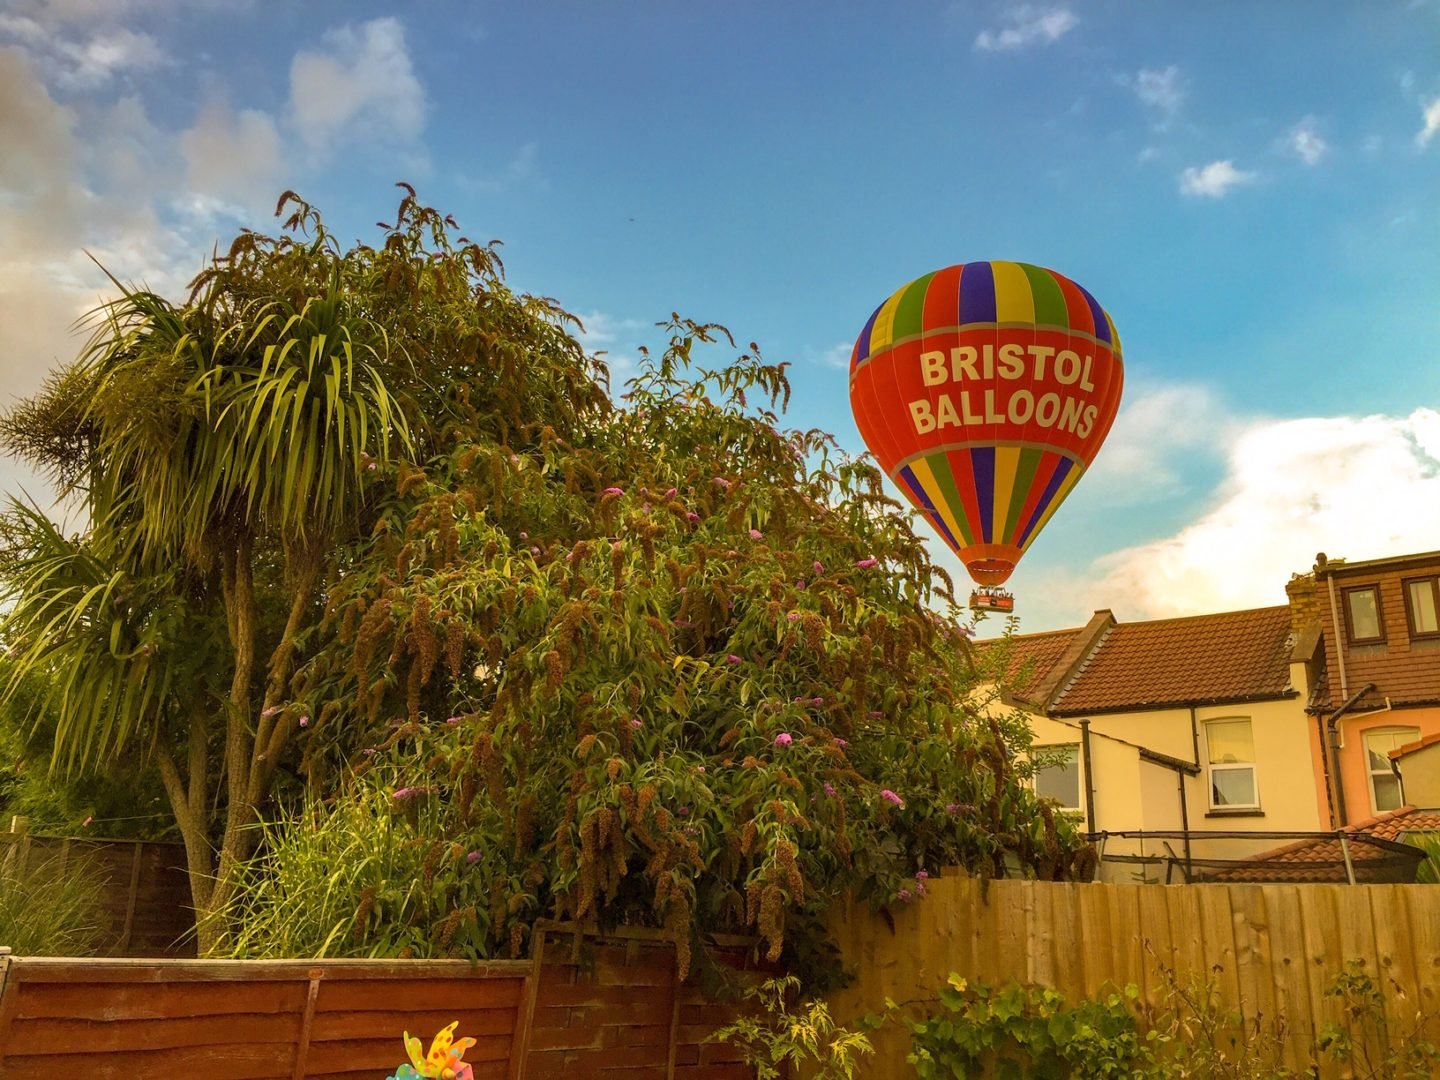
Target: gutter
1339,645
1089,777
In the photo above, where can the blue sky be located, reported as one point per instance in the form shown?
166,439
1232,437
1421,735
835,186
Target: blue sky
1250,190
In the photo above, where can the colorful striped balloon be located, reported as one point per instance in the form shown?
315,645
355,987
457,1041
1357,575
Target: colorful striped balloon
985,390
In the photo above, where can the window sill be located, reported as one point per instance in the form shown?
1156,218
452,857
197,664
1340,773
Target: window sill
1241,812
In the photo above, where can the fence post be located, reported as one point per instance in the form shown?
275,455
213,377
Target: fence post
19,852
127,932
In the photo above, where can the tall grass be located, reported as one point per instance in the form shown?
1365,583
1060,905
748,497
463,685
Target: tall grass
362,877
50,908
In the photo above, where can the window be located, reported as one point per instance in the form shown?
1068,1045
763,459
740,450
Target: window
1362,615
1057,775
1384,784
1422,606
1232,765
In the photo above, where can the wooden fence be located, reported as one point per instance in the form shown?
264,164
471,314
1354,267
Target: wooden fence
581,1006
1273,949
145,893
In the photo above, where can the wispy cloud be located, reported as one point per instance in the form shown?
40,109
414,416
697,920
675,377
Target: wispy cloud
1024,25
1306,143
837,356
1213,181
361,81
1431,115
1161,90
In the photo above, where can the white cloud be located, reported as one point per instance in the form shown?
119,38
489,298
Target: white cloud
1213,181
1158,429
1306,143
87,62
362,80
1161,89
1024,25
618,342
232,156
1431,115
1354,487
836,356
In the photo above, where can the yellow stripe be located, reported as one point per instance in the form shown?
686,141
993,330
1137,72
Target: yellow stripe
1065,486
1114,336
1006,461
1014,302
921,469
882,333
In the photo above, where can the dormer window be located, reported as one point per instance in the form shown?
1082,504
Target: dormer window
1362,615
1422,606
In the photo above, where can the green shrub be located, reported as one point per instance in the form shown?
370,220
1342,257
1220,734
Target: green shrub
788,1033
50,908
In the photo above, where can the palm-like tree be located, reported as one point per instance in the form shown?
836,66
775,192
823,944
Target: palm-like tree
243,426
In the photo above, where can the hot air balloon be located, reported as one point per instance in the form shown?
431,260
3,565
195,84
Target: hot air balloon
985,390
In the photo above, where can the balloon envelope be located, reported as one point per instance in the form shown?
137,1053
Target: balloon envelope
985,390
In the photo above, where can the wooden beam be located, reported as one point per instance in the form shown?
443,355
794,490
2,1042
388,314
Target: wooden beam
302,1047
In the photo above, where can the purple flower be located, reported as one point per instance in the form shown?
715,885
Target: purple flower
682,811
865,564
919,888
903,895
700,768
922,875
635,723
613,491
952,808
473,857
818,566
304,721
783,739
407,793
371,467
876,714
691,516
842,743
369,751
829,789
890,797
793,616
524,535
722,483
273,710
670,493
756,534
800,584
534,551
732,659
452,721
817,701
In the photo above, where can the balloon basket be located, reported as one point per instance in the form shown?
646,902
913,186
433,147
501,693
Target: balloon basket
990,598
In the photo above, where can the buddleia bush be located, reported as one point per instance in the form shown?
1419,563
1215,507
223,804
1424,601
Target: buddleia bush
678,666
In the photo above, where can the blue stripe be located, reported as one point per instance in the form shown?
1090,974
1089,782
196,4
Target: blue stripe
982,466
1056,479
977,293
1102,324
862,351
917,492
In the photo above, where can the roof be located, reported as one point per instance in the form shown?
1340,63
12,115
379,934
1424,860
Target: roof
1201,659
1418,744
1342,567
1375,857
1036,665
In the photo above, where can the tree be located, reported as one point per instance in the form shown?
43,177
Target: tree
230,451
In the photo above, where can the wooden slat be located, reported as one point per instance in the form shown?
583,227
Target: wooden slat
100,1000
374,995
85,1037
1288,967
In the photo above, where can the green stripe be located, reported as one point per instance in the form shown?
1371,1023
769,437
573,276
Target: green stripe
940,469
1050,309
911,310
1024,478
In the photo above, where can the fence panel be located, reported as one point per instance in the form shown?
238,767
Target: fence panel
1270,950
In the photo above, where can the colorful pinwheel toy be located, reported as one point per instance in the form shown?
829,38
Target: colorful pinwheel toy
443,1062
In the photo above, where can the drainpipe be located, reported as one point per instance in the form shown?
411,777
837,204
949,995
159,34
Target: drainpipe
1339,643
1185,824
1325,767
1089,776
1335,747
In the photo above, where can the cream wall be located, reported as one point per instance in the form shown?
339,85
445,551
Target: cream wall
1420,770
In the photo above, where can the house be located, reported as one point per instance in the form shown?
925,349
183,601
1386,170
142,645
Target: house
1189,727
1367,655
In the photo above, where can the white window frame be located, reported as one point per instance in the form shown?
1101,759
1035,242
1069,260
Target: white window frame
1050,748
1370,773
1236,766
